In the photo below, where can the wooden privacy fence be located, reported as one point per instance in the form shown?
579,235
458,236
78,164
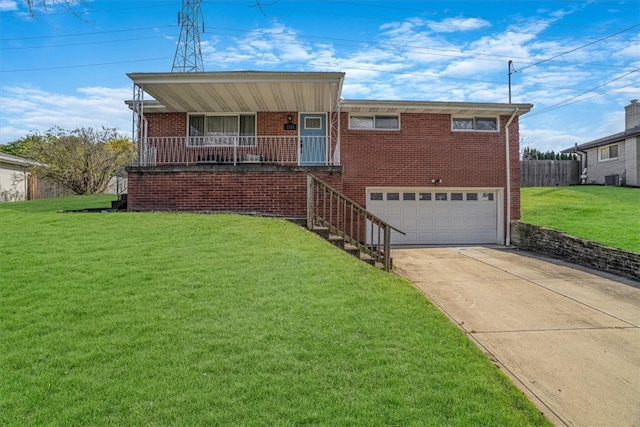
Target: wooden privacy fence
41,188
549,173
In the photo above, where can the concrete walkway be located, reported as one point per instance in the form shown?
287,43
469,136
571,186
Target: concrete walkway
568,338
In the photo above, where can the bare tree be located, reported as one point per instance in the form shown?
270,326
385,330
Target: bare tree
83,160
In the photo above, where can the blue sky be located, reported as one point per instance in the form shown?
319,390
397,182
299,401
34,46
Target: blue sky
578,62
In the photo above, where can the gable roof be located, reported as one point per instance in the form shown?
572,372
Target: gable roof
239,91
616,137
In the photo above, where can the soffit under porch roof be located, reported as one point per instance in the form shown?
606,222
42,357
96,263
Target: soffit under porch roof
476,109
242,91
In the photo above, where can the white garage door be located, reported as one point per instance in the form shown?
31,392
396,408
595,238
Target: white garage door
431,216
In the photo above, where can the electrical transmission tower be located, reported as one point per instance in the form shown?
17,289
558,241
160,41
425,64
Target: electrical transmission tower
188,56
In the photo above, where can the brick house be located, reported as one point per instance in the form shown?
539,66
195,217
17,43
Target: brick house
613,159
247,142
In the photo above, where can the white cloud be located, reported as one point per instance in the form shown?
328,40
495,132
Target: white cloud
8,5
451,25
26,110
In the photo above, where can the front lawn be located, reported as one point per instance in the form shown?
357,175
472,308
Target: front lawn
608,215
187,319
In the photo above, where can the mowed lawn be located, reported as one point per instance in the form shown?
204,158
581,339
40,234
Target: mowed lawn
190,319
608,215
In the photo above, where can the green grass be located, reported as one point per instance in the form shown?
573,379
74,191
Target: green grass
607,215
187,319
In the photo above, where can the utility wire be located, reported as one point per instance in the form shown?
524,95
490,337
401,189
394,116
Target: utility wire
87,34
85,65
565,102
80,44
579,47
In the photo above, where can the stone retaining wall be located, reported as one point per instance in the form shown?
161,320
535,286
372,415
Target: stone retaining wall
578,251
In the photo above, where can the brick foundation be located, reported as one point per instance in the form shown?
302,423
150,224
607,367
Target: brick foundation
280,191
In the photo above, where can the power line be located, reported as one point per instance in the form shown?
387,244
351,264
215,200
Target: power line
62,67
124,30
80,44
565,102
580,47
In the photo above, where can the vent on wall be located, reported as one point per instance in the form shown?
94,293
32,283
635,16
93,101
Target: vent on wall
612,180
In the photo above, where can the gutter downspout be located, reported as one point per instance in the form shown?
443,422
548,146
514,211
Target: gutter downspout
508,164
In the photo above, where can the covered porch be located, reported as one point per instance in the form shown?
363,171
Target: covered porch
235,118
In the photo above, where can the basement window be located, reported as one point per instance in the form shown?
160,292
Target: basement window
485,124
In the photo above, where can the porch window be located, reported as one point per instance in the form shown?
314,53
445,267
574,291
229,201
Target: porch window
609,152
474,123
374,121
222,130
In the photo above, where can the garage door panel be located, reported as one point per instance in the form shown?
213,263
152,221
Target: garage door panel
432,217
483,223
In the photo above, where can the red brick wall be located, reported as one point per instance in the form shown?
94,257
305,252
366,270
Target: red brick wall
272,124
426,148
175,124
282,192
167,124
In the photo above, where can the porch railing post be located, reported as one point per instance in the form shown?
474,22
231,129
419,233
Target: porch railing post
387,248
310,199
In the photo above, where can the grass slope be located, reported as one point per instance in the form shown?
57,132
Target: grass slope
608,215
186,319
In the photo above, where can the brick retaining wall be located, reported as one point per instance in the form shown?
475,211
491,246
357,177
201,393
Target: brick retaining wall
578,251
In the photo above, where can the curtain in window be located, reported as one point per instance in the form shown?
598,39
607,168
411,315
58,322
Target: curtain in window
247,126
387,122
196,125
222,125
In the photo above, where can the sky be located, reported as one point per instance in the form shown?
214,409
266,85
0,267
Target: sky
577,62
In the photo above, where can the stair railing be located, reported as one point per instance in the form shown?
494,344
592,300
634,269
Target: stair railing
327,207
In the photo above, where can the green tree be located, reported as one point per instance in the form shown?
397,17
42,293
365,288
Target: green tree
535,154
19,147
83,160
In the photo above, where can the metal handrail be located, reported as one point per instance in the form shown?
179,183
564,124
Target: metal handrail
343,217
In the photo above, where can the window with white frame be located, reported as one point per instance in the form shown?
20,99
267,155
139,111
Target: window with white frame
489,124
608,152
374,121
228,129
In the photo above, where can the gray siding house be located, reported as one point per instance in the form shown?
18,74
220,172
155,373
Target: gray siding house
613,159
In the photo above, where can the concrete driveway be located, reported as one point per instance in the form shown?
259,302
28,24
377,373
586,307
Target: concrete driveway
568,338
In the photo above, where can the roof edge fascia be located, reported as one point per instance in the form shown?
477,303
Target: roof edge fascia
239,77
436,105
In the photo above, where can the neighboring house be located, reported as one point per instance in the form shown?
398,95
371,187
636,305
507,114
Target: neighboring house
246,142
14,177
614,159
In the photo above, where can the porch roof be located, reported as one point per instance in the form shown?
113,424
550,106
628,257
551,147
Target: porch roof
434,107
241,91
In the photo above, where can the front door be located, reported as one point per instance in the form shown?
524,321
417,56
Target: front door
313,139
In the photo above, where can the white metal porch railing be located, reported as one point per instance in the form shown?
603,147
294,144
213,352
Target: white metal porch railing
234,150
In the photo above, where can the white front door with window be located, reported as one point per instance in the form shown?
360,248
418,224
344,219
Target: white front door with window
437,216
